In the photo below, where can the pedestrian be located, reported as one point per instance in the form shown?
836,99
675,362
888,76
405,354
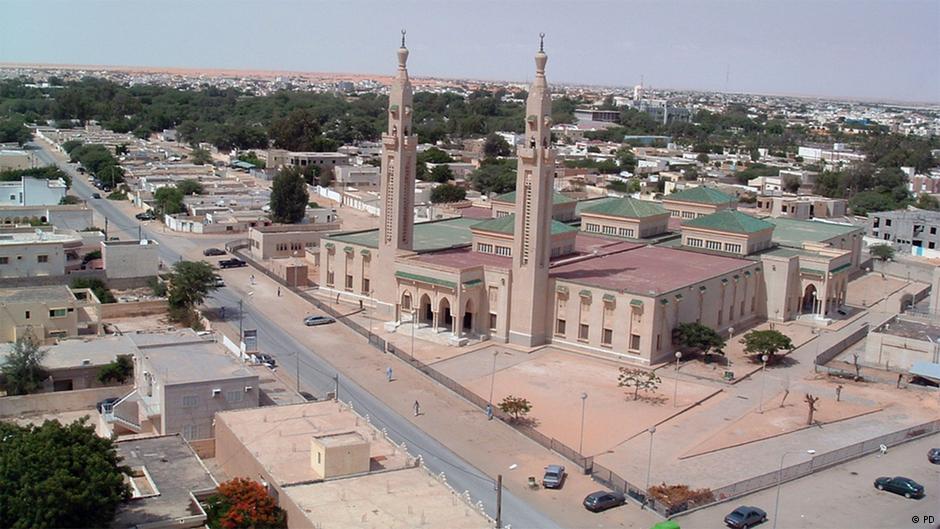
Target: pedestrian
417,408
900,377
278,291
360,304
489,412
222,311
252,279
839,393
388,373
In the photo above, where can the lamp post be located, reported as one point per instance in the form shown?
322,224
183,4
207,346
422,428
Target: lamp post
371,313
414,314
780,480
730,339
763,381
675,392
581,437
649,461
493,377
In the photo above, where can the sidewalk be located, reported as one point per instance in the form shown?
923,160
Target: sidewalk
491,446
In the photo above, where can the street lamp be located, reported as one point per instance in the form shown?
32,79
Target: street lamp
414,314
649,461
763,381
493,377
581,437
780,480
675,392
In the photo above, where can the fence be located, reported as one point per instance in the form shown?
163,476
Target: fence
826,356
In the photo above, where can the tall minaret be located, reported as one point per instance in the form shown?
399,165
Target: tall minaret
532,236
397,179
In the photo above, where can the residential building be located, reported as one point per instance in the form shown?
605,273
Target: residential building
802,207
325,161
907,230
31,191
168,482
357,175
32,252
593,114
130,259
71,217
662,111
180,381
48,313
900,342
286,240
74,364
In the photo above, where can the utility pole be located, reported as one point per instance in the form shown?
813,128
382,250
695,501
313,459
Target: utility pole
499,501
106,228
298,371
139,231
336,387
240,318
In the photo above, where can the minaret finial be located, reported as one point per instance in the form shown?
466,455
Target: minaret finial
542,42
403,38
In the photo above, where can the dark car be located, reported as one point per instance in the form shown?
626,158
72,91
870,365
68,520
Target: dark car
603,500
105,405
308,396
96,195
310,321
554,477
208,252
933,455
234,262
906,487
744,517
146,215
266,360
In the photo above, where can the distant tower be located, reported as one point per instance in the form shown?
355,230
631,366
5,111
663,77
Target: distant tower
397,178
638,90
532,236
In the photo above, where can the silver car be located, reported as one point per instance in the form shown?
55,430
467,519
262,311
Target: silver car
554,477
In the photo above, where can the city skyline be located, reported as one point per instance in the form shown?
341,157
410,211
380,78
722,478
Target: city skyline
725,46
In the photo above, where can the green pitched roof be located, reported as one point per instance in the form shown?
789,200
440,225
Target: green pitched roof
557,198
729,220
507,224
428,236
627,207
702,195
794,232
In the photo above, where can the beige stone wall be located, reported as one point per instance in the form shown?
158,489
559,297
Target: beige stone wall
14,322
176,418
233,457
271,243
23,260
897,353
62,401
123,260
782,284
352,260
137,308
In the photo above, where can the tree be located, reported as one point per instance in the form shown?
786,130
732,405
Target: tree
811,404
190,186
626,159
690,174
70,200
14,131
702,158
253,159
759,343
872,201
243,504
289,197
441,173
925,201
189,284
446,193
200,157
96,285
435,155
699,338
881,251
23,372
638,379
70,145
516,407
168,200
59,476
495,146
791,183
118,370
495,176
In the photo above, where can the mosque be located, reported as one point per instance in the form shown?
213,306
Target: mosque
612,276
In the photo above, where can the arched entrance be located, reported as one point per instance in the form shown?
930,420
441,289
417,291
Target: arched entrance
443,314
809,299
468,317
425,314
406,301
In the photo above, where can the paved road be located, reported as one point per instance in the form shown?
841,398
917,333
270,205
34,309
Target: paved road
317,375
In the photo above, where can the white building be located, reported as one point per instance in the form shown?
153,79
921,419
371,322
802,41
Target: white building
31,191
34,254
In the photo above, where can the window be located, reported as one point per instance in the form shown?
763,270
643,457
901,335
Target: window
190,401
887,222
594,228
329,278
234,396
688,215
57,313
673,213
627,232
610,230
189,431
933,230
634,342
560,326
583,331
695,243
492,322
742,308
365,285
4,260
484,247
27,314
608,337
504,251
713,245
349,281
42,258
720,316
732,248
501,214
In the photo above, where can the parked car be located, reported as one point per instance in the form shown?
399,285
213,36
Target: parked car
106,402
906,487
744,517
603,500
933,455
310,321
308,396
96,195
208,252
266,360
554,477
219,283
146,215
234,262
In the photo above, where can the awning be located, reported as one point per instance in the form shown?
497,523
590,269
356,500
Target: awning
928,370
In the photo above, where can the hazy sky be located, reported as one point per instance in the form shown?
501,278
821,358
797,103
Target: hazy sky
859,48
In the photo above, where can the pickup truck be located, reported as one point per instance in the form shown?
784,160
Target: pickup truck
234,262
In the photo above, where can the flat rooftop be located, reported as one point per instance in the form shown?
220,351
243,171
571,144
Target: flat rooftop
71,353
793,232
10,239
181,357
403,499
647,271
46,294
175,471
916,330
428,236
284,448
464,258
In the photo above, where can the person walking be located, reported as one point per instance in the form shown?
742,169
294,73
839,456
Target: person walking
252,279
278,291
388,373
489,412
417,409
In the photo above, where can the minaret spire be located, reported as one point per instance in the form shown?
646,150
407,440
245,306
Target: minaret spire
541,42
403,38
